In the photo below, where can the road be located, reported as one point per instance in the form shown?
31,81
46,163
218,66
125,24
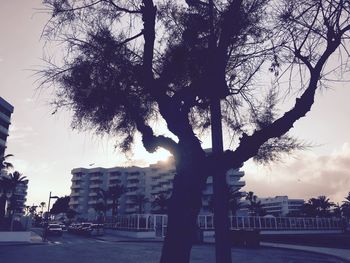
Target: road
78,249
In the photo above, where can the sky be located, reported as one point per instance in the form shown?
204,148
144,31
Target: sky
46,149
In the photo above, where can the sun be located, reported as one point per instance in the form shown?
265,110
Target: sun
159,155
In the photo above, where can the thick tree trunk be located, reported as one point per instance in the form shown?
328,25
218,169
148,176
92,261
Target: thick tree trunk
185,203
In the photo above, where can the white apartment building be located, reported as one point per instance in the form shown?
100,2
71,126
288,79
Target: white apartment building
20,194
149,182
86,184
6,109
281,205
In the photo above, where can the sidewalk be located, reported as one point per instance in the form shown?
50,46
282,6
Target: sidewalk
35,239
112,236
336,252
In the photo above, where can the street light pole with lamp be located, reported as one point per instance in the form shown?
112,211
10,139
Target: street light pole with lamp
48,206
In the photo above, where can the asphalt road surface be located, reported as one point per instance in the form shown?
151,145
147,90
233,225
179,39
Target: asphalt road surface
78,249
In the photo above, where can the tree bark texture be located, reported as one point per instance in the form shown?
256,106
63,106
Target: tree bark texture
184,206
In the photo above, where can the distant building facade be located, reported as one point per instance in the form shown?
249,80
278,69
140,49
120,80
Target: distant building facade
20,193
149,181
281,205
6,110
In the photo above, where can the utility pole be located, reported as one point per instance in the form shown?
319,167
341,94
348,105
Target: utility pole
48,206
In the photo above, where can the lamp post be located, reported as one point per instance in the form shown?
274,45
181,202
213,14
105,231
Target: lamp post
48,206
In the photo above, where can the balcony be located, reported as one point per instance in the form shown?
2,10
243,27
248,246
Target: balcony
115,174
93,194
4,130
76,186
2,142
132,176
5,117
75,194
77,179
96,176
237,183
131,193
92,202
93,186
74,202
132,184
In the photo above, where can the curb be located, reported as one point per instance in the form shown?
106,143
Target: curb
21,244
130,240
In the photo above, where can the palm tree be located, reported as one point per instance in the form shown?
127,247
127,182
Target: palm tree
345,207
336,210
311,208
235,200
324,205
140,200
42,206
161,201
4,165
27,210
115,192
15,179
255,207
5,191
32,210
4,184
102,206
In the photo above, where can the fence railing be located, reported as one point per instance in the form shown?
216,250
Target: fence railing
141,222
158,223
206,222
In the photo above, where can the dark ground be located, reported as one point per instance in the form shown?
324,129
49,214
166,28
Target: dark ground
78,249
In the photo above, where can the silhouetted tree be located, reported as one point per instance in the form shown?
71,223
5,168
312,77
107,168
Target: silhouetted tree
115,192
161,203
325,206
336,211
4,164
4,184
32,209
200,67
60,206
345,207
320,207
255,207
235,200
102,203
139,200
14,180
71,213
42,206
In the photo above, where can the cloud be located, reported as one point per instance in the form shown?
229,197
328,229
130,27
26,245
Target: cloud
20,134
28,100
305,176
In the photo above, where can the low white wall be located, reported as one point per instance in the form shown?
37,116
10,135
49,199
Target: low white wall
14,236
299,232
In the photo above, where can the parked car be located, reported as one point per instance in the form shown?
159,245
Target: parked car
85,228
97,230
73,228
54,229
64,228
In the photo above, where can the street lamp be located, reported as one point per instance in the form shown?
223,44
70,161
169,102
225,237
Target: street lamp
48,206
